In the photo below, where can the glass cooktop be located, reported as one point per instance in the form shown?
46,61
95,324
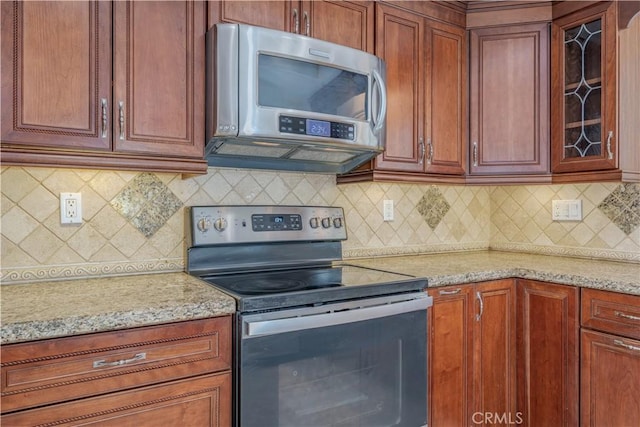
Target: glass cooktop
308,286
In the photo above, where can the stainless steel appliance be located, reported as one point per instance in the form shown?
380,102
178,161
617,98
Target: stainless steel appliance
318,342
278,100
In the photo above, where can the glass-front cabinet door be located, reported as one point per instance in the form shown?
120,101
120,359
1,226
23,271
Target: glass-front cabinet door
583,114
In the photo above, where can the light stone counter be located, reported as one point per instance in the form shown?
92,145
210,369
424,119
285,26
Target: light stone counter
53,309
468,267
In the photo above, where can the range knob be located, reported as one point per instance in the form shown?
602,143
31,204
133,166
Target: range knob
204,224
326,222
314,222
220,224
337,222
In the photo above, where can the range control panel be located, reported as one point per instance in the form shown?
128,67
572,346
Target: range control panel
219,225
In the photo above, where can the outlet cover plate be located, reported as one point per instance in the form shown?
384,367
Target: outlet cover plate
70,208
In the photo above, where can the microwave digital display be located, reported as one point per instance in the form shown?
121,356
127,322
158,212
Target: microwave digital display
304,126
318,128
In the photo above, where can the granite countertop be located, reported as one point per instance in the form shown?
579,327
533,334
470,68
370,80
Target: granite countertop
468,267
53,309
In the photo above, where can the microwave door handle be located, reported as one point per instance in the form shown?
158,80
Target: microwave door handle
379,120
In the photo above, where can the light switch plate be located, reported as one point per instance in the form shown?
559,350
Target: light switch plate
387,210
566,210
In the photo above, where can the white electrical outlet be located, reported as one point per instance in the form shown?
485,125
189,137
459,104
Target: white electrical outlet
387,210
70,208
566,210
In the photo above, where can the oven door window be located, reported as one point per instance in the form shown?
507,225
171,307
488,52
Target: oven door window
368,373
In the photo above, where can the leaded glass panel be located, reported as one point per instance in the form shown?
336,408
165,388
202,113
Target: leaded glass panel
582,94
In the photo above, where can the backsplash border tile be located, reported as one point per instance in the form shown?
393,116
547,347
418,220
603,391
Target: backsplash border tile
88,270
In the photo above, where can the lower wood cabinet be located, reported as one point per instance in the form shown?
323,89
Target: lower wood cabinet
610,359
547,353
201,401
174,374
524,352
472,356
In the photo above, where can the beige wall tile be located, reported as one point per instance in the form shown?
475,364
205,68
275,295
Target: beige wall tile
510,217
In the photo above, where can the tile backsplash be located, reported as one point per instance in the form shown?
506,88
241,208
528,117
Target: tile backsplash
135,222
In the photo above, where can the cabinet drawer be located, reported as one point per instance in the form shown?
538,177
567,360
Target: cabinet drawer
611,312
57,370
196,402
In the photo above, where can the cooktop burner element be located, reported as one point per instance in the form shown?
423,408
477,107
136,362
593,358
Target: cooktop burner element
274,257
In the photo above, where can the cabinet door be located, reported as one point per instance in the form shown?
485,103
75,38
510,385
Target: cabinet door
509,100
201,401
400,42
159,77
450,356
610,380
547,353
446,105
56,74
277,15
342,22
494,352
584,96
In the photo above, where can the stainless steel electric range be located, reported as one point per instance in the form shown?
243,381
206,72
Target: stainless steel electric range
318,342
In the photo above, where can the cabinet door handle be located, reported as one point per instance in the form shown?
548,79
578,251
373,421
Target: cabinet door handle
451,292
609,145
307,24
475,153
627,346
430,151
422,151
626,316
105,116
121,119
296,22
479,297
105,364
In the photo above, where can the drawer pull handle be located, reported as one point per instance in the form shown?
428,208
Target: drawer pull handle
452,292
626,316
627,346
105,364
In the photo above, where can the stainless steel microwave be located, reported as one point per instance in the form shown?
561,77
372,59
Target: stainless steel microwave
278,100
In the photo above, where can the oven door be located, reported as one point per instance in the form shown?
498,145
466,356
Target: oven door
348,364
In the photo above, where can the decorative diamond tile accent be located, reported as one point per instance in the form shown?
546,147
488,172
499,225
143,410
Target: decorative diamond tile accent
147,203
433,207
622,207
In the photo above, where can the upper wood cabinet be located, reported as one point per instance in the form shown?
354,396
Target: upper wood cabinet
427,99
595,113
509,100
446,99
349,23
401,41
62,106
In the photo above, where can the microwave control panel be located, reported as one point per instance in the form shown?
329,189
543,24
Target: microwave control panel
304,126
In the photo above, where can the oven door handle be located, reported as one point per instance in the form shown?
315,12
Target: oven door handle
253,329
